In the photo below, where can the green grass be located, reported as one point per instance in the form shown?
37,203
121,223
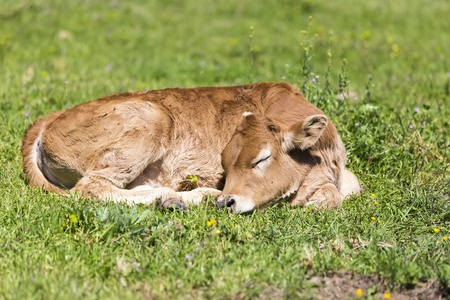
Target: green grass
55,54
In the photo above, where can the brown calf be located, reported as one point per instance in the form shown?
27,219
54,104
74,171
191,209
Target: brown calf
260,143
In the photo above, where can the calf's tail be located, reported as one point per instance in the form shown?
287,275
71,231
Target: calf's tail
33,156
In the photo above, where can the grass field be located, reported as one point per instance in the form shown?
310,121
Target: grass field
390,57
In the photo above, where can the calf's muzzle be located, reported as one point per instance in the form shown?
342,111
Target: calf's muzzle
226,202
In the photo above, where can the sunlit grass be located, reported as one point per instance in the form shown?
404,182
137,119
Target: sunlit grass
387,60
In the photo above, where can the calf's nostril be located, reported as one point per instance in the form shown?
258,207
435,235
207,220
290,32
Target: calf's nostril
225,202
230,201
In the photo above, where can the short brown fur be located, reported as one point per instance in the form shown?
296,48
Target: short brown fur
139,147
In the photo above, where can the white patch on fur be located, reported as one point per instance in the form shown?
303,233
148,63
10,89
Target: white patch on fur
36,152
196,196
289,193
142,188
259,168
247,113
349,184
242,204
38,158
287,144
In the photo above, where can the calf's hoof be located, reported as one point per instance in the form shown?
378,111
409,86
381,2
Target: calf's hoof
172,204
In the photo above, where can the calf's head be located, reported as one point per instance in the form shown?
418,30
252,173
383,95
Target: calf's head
259,170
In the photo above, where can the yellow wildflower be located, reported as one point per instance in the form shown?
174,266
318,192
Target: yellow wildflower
193,179
387,295
211,222
373,218
395,48
329,55
436,230
444,238
73,218
373,195
358,292
376,202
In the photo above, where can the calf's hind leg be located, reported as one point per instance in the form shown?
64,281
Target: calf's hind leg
327,197
139,140
349,184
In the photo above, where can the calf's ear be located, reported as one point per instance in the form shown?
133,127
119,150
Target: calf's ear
247,119
305,133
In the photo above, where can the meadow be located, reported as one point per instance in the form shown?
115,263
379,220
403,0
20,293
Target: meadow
386,61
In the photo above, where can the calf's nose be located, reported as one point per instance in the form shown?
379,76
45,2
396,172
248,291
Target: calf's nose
225,201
